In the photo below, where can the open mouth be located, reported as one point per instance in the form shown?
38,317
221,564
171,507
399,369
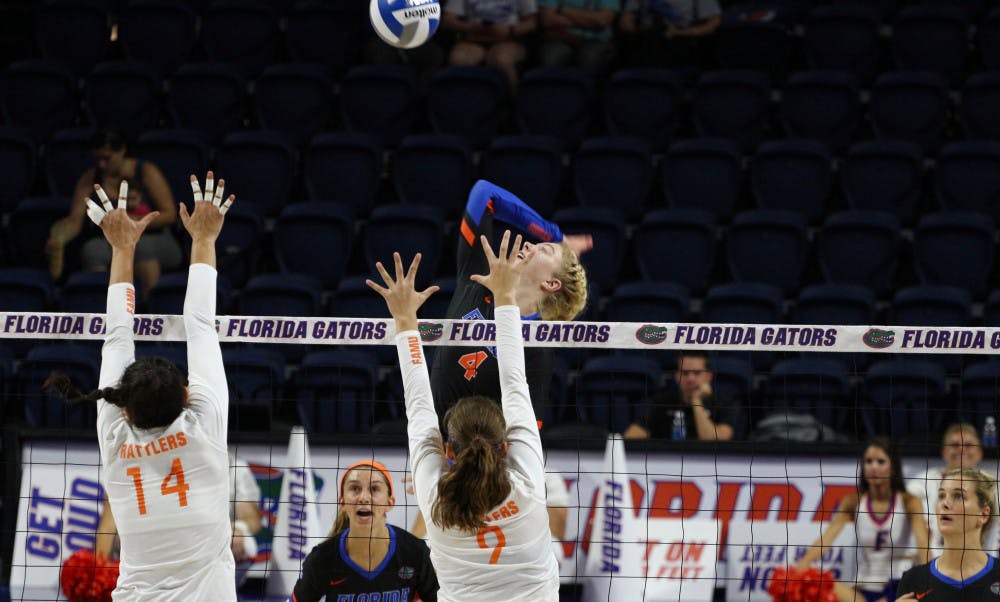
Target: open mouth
365,513
946,519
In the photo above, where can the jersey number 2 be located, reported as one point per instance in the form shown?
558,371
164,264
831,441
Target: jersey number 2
501,541
471,361
180,487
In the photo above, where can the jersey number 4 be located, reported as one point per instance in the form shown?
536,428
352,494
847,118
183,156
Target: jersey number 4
501,541
179,486
471,362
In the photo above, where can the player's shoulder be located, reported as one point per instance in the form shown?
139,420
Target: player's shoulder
327,551
408,542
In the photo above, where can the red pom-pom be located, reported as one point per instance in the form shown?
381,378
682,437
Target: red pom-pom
88,578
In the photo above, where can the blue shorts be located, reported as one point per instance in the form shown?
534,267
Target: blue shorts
889,592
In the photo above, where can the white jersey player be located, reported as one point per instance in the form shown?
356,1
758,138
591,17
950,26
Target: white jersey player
163,446
484,489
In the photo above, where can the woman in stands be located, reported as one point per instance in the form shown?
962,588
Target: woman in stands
885,515
365,557
488,527
163,444
966,508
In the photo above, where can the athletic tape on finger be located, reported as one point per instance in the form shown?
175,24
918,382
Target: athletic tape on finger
104,199
225,206
123,195
209,189
217,199
196,189
95,213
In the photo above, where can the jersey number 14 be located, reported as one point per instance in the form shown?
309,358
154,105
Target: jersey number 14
173,483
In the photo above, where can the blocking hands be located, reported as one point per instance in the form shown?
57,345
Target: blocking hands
120,230
205,222
400,293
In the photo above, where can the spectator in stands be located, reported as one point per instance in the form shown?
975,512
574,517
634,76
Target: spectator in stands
657,33
578,33
707,417
157,250
885,516
490,32
960,448
966,508
244,512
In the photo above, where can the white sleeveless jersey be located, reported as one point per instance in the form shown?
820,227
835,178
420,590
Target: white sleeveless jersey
511,558
169,487
884,542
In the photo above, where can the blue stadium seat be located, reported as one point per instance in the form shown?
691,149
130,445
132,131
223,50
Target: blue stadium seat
39,95
529,166
884,175
980,97
408,229
732,104
555,101
239,244
335,391
845,37
67,155
173,352
123,95
607,226
645,303
932,37
343,167
258,166
967,177
243,33
955,248
902,398
178,154
759,46
45,410
792,175
315,239
296,99
353,299
860,247
979,391
161,33
28,229
468,101
281,295
436,307
167,297
819,387
210,98
433,169
74,32
26,289
380,100
910,106
18,161
703,173
931,305
330,34
645,103
85,292
613,171
989,40
609,389
742,303
732,378
677,245
835,304
768,246
823,106
991,309
256,386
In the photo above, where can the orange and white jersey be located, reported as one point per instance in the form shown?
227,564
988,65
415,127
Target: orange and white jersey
169,487
511,557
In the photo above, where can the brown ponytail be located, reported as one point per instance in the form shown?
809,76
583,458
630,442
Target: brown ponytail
478,481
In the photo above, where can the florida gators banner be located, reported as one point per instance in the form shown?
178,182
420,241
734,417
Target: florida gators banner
613,335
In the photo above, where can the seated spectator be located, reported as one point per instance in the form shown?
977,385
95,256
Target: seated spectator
578,33
706,417
490,32
658,33
148,191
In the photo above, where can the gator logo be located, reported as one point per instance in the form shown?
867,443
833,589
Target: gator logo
879,339
430,331
648,334
995,588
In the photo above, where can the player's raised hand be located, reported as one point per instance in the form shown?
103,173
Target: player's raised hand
120,230
579,243
505,269
400,293
205,222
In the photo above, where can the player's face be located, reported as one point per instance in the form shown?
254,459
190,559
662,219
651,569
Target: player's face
542,262
877,466
958,509
962,450
366,498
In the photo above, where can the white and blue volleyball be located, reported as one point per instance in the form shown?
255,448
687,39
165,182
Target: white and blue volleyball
405,23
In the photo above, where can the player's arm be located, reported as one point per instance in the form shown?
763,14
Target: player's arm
106,531
844,514
209,393
908,586
309,587
918,523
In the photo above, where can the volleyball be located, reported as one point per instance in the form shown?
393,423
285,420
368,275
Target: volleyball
405,23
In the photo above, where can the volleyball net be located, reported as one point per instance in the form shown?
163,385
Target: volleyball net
663,518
